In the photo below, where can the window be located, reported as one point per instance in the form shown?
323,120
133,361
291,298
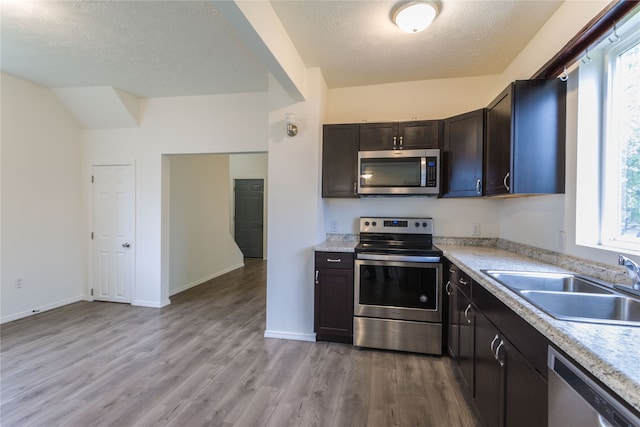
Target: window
608,142
621,183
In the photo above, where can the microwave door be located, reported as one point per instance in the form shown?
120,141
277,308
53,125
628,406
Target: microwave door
391,175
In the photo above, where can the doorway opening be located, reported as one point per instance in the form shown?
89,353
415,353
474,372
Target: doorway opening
198,204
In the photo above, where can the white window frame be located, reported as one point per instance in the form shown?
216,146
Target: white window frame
611,184
595,135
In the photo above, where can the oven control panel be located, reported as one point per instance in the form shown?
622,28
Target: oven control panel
396,225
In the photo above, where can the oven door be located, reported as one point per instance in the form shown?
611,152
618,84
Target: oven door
398,290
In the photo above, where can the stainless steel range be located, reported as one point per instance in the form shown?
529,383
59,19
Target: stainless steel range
398,286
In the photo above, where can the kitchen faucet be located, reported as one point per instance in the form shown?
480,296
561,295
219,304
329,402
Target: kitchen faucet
633,268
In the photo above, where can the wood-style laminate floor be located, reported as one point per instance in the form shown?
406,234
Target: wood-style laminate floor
203,360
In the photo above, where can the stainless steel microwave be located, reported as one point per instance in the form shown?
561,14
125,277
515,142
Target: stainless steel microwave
399,172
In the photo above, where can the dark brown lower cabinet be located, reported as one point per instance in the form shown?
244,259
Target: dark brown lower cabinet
509,392
333,305
453,325
500,356
488,372
466,331
460,328
525,391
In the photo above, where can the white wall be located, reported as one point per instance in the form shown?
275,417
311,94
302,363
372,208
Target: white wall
43,239
201,246
250,166
426,99
180,125
295,210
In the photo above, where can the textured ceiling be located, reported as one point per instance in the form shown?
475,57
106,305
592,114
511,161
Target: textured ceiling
147,48
355,43
173,48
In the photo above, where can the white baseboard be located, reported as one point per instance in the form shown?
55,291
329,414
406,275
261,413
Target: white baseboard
290,336
204,279
151,304
40,309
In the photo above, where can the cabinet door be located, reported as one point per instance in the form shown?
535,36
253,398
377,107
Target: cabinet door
525,391
453,326
488,371
419,134
379,136
538,157
333,306
466,338
462,152
340,160
497,156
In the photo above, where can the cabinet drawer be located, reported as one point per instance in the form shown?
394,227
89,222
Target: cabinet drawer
460,280
340,260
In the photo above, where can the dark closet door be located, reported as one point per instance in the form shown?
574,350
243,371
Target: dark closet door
249,223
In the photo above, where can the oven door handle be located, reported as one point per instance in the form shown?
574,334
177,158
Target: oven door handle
405,258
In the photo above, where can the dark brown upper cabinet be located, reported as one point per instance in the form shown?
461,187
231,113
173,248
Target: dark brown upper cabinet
463,147
417,134
525,139
340,160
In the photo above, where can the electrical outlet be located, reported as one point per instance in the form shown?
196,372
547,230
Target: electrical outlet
476,229
562,240
18,283
334,226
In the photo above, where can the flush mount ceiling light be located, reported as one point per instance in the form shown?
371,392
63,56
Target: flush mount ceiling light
414,16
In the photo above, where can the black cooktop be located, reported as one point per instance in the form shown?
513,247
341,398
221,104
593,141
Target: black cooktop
398,249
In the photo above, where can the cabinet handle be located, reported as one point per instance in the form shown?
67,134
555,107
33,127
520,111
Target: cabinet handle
317,280
461,280
478,186
401,138
452,271
447,287
466,312
504,182
334,260
355,188
395,142
493,350
498,358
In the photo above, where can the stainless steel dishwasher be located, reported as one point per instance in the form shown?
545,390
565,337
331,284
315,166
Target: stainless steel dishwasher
575,400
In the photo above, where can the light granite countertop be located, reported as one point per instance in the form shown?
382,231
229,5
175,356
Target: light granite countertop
338,243
610,353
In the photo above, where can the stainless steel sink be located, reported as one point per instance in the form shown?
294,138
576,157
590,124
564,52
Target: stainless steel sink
568,296
539,281
613,309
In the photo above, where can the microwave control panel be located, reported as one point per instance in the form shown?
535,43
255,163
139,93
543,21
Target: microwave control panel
432,171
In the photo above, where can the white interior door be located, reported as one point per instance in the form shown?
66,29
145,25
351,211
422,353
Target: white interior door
113,215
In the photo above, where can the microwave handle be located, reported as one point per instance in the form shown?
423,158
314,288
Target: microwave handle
423,171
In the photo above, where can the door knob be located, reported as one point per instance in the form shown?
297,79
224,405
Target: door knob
126,245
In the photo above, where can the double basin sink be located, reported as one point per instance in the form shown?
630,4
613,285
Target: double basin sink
567,296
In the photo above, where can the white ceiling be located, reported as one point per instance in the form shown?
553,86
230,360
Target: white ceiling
174,48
